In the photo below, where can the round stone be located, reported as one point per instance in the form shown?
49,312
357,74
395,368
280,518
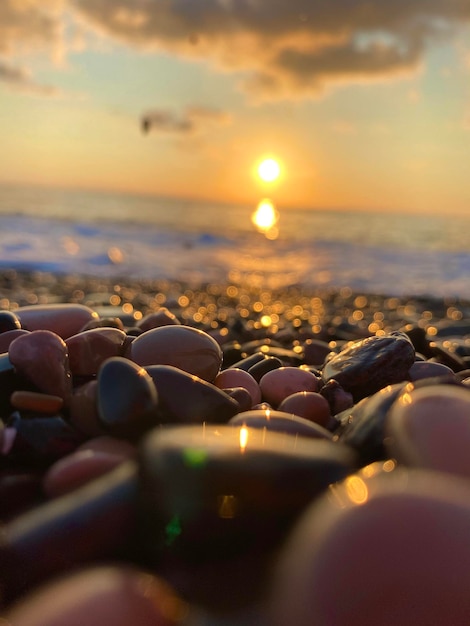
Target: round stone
429,428
282,382
382,549
309,405
187,348
234,377
100,595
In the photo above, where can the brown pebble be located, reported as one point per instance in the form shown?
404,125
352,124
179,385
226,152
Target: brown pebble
309,405
234,377
89,349
33,401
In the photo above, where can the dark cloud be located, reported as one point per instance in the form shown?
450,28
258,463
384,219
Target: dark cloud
286,48
193,120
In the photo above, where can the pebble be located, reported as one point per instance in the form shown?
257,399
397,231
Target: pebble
41,357
186,399
388,548
99,595
77,469
368,365
281,422
64,320
234,377
187,348
89,349
284,381
146,461
429,428
210,495
8,336
36,402
309,405
126,398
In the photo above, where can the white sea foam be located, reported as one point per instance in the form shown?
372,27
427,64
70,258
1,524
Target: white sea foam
206,243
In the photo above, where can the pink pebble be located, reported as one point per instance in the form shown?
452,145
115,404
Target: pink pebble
234,377
7,337
428,369
242,396
382,550
429,427
41,356
109,445
308,404
162,317
284,381
187,348
76,470
99,596
89,349
63,319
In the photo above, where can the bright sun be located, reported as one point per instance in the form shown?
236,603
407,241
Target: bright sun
269,170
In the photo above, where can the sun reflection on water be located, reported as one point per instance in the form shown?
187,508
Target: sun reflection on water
265,218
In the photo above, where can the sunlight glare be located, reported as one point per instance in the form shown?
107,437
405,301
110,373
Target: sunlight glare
269,170
265,219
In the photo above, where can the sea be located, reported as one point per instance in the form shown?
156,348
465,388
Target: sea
144,237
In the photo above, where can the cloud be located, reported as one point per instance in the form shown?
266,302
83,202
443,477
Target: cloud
193,120
286,49
26,25
20,79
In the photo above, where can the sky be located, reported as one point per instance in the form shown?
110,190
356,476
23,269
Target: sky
364,103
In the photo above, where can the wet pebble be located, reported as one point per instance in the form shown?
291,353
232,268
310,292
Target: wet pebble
366,366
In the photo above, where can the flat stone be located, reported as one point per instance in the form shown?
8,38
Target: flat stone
36,402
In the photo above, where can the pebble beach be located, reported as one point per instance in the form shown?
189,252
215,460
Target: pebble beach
202,424
219,454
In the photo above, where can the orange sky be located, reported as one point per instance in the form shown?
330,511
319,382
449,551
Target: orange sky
365,104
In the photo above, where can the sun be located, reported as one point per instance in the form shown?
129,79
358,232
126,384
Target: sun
269,170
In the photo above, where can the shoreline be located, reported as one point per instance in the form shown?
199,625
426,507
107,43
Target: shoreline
298,305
